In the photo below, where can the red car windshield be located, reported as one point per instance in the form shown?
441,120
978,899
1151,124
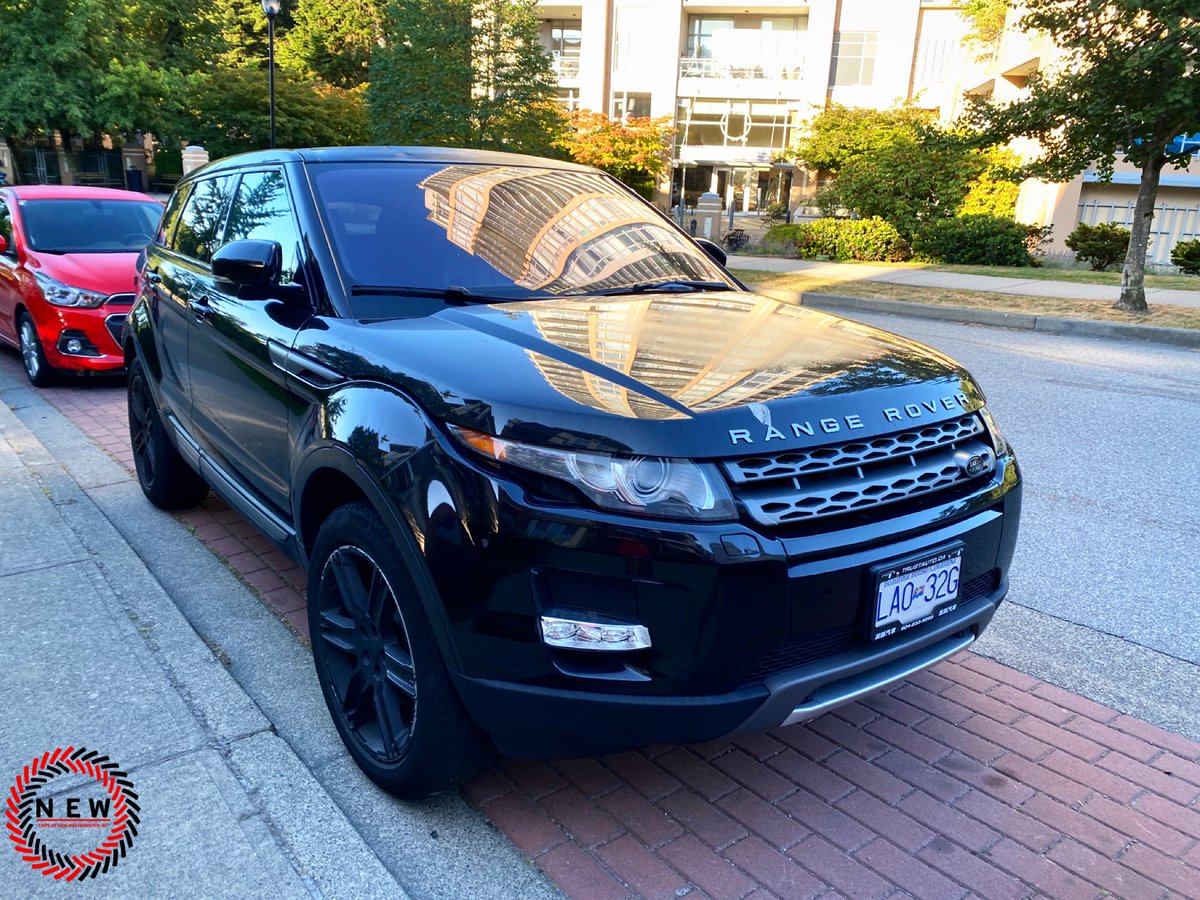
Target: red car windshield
89,226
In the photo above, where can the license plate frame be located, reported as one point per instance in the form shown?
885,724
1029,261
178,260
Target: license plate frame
914,571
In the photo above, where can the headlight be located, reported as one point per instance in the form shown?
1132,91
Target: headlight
64,295
998,441
641,485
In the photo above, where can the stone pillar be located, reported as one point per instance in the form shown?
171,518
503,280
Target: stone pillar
193,158
707,217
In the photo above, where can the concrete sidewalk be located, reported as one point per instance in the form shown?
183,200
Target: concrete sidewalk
95,654
240,795
1033,287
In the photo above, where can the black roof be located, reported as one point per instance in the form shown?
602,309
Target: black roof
449,155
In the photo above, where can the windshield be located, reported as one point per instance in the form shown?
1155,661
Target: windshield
89,226
499,231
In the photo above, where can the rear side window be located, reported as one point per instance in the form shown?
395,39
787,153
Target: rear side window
6,229
262,211
171,215
200,222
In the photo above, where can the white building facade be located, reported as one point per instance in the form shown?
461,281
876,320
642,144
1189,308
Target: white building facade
739,79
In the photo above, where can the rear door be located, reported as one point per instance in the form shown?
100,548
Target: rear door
176,273
240,398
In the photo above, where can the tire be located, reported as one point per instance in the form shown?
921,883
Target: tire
379,665
164,476
33,356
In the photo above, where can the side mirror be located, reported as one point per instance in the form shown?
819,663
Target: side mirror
3,245
249,262
715,253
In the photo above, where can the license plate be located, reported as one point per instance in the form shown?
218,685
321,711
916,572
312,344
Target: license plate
911,594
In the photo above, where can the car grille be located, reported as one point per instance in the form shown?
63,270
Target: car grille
119,300
802,485
797,652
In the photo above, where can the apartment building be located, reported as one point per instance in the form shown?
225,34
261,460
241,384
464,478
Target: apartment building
739,79
1086,198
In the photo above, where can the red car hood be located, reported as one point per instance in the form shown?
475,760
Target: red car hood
104,273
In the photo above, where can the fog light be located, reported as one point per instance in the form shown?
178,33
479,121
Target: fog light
575,635
74,345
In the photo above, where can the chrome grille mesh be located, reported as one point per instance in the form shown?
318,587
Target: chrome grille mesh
801,485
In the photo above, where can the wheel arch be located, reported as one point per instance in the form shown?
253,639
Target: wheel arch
331,477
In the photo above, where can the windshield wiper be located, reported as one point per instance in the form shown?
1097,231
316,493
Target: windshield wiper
673,285
451,294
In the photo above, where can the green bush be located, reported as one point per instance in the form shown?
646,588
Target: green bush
870,240
1186,255
977,239
783,237
1099,245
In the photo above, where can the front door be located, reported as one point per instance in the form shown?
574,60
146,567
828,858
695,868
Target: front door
240,399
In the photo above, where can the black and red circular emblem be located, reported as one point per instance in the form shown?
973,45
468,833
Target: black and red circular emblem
30,812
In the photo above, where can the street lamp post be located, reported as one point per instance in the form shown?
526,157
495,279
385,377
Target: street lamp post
271,8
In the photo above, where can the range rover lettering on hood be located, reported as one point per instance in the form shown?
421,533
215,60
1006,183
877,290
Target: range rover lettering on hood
771,432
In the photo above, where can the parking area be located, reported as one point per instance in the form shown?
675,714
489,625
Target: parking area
973,778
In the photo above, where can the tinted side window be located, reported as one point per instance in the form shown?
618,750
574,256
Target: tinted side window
6,228
262,211
171,214
200,221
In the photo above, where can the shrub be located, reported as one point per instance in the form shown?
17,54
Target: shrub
783,237
978,239
870,240
1186,255
1099,245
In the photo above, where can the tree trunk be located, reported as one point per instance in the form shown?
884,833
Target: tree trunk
1133,278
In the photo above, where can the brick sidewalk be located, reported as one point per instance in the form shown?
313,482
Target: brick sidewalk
970,779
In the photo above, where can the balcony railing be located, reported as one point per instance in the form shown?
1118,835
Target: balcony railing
708,67
566,66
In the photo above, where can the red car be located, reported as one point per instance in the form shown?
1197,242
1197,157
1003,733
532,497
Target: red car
67,262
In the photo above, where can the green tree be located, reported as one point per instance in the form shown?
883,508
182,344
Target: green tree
1128,85
228,112
894,164
463,73
986,20
332,40
634,151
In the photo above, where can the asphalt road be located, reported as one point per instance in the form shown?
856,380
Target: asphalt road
1108,435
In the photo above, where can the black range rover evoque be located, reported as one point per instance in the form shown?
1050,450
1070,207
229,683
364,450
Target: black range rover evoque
562,485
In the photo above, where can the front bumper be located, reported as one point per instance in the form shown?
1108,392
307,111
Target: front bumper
751,628
530,721
98,331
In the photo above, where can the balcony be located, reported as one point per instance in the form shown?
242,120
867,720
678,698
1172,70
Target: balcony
566,68
743,63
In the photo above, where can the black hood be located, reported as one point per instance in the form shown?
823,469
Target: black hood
696,375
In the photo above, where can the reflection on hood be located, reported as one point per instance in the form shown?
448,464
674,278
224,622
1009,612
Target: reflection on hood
712,351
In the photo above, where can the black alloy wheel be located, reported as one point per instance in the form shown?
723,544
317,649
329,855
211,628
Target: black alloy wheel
33,356
369,660
163,475
379,664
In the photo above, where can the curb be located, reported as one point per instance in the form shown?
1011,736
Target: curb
1176,337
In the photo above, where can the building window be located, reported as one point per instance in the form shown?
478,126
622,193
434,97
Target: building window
566,38
568,98
700,35
934,56
627,105
853,58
